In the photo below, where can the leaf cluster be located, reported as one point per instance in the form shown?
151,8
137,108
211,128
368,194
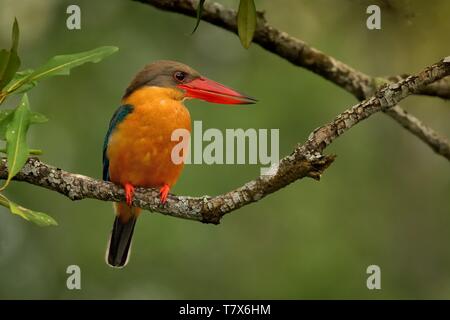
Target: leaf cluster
15,123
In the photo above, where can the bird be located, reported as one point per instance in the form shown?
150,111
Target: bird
137,146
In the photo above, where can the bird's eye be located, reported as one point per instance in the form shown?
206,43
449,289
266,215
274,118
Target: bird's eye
180,76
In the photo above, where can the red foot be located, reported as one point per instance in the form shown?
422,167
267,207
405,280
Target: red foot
163,192
129,192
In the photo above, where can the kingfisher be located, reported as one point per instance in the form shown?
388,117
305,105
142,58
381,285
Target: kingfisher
137,148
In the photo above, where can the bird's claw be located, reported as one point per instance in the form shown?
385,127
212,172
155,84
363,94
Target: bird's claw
163,192
129,192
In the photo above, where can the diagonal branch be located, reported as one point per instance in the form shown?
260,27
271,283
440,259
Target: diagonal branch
305,161
301,54
439,88
384,100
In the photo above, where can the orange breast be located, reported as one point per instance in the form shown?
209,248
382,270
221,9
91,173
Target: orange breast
140,148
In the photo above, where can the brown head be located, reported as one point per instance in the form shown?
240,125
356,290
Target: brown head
172,74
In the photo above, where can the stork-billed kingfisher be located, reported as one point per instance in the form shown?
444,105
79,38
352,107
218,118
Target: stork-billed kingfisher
138,145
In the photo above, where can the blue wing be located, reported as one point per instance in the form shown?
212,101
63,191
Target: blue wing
117,118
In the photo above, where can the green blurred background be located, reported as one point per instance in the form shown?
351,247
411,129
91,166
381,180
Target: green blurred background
385,200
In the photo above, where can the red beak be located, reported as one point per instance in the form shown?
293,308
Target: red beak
211,91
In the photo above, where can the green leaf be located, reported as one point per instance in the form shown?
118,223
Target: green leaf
31,152
15,36
39,218
6,116
246,21
9,60
17,84
9,64
37,118
16,139
199,14
4,113
61,65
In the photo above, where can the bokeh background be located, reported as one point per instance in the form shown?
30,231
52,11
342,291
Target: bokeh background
385,200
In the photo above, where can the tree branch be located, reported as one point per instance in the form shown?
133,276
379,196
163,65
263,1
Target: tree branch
439,88
383,100
305,161
205,209
301,54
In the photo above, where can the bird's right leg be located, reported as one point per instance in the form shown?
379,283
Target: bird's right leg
129,192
